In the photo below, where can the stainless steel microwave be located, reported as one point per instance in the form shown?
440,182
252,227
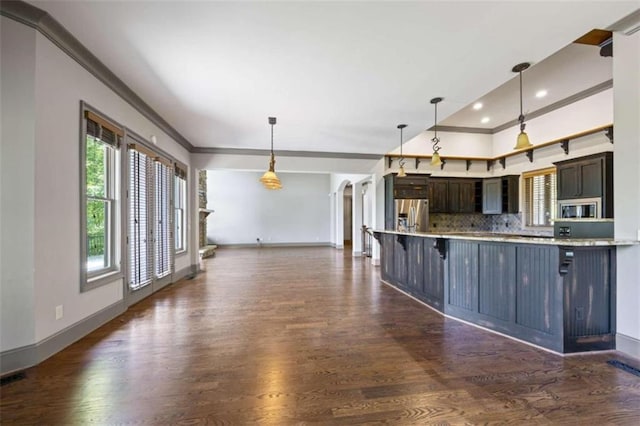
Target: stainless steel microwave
583,208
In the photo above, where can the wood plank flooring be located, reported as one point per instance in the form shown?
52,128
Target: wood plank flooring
309,336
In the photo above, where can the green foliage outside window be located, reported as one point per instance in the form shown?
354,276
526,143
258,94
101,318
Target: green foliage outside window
97,156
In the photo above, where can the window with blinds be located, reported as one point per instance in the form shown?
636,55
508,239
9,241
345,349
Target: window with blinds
100,189
180,209
140,233
150,227
163,219
540,197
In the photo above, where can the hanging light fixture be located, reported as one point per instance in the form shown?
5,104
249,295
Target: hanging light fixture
401,172
269,179
435,157
523,139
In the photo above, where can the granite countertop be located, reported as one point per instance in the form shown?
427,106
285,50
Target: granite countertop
518,238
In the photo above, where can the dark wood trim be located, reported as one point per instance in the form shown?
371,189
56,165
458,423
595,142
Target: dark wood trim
594,37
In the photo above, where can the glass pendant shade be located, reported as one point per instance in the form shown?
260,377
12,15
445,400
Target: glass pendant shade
269,179
523,141
435,159
401,172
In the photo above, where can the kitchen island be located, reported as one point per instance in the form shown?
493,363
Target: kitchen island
558,294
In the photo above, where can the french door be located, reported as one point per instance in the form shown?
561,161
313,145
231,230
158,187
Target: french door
150,222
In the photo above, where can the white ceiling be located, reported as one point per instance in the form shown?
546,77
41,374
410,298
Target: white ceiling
339,76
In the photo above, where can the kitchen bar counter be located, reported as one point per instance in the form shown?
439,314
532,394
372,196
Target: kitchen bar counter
518,238
555,293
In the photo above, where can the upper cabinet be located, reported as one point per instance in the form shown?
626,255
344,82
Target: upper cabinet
500,195
587,177
453,195
411,186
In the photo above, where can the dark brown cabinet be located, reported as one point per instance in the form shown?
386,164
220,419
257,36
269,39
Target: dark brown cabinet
587,177
412,186
439,195
500,195
453,195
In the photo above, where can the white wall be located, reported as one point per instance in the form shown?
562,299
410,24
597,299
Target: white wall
378,202
17,174
61,84
451,143
626,77
299,213
42,90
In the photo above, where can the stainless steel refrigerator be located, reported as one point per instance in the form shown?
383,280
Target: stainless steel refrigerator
411,215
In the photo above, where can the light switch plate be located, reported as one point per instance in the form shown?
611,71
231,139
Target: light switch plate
59,312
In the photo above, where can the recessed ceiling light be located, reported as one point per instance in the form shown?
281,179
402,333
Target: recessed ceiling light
541,93
485,120
477,106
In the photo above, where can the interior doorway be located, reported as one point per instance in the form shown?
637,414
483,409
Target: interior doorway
348,215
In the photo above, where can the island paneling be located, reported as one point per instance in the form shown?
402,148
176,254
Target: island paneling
558,297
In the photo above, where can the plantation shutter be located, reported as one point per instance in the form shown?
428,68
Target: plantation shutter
140,231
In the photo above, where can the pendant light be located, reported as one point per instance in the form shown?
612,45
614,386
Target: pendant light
401,172
435,158
269,179
523,139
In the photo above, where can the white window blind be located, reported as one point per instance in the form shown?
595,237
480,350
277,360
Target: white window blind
140,232
540,198
150,216
163,219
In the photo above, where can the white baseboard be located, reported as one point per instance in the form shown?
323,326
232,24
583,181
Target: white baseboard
628,345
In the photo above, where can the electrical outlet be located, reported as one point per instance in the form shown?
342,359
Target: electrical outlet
59,312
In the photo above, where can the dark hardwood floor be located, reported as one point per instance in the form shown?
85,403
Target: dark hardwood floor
309,336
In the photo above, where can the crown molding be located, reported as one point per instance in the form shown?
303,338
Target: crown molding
460,129
628,25
50,28
287,153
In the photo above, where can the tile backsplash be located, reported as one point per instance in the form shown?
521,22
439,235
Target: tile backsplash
478,222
